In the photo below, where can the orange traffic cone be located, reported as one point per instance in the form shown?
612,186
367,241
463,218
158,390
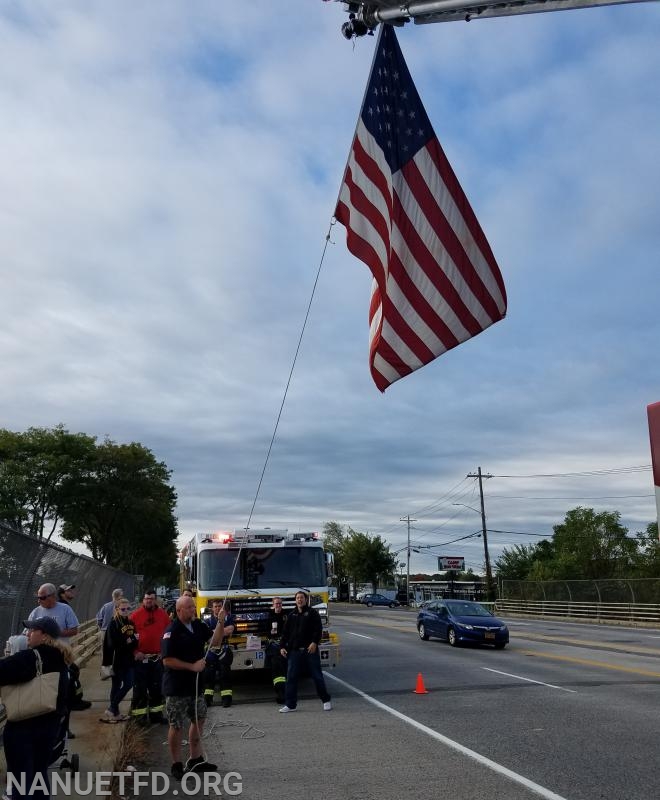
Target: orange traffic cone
420,688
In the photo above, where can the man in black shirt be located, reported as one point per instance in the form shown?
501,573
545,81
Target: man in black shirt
300,645
182,650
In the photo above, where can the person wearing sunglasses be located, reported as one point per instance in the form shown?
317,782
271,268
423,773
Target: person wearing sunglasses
120,642
63,614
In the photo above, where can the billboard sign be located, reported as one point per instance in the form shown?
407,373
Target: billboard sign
451,562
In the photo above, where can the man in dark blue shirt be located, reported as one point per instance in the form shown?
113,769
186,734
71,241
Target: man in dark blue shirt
182,649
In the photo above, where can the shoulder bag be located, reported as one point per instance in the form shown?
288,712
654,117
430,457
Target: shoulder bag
32,698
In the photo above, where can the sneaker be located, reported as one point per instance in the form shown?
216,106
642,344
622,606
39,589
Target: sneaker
327,706
176,770
286,710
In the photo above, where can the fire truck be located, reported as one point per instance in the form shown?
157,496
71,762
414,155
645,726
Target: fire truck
250,568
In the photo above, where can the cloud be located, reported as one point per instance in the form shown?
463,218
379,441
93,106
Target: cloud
168,181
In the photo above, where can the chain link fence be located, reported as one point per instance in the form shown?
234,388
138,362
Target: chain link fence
611,590
26,563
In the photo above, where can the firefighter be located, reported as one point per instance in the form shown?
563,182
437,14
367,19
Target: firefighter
150,622
218,672
274,658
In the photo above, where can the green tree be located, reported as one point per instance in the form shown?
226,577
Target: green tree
334,540
121,507
590,544
648,565
520,561
368,559
34,468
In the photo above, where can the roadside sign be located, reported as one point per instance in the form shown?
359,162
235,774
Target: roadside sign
451,562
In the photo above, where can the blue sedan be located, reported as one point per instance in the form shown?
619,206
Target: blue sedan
379,600
459,621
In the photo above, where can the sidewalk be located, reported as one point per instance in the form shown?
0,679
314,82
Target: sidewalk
95,744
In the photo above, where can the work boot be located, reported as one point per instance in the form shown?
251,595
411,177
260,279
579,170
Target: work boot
226,701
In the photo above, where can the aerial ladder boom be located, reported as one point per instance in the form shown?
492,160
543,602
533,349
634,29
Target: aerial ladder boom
364,17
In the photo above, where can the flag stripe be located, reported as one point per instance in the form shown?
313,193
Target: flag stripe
465,230
450,181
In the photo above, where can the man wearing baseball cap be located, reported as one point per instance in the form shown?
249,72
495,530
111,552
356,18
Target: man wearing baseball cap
62,613
65,593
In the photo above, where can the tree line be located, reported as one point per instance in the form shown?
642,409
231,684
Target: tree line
116,499
587,545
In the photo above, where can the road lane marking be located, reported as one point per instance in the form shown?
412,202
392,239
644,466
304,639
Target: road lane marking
483,760
601,645
529,680
589,663
361,635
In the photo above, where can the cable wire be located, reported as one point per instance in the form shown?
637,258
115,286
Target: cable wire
288,383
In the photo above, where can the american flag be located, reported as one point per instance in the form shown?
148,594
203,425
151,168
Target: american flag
436,282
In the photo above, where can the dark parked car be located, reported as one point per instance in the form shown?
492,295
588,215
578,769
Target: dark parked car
459,621
379,600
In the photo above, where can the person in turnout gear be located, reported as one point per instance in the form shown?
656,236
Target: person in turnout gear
218,670
150,622
274,659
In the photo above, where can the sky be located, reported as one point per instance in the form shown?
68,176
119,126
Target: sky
169,173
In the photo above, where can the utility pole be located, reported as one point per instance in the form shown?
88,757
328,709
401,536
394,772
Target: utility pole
489,573
408,520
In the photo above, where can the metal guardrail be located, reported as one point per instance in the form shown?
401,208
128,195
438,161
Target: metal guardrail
641,613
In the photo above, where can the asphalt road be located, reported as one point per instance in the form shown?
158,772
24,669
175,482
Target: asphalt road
565,711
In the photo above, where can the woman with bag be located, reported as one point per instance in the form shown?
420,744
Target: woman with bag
120,643
35,705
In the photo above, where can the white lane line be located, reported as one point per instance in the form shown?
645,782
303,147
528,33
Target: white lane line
529,680
483,760
361,635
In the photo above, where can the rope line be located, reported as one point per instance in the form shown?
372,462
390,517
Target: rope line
288,383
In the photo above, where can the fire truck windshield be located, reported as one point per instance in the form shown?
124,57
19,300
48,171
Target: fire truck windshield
261,568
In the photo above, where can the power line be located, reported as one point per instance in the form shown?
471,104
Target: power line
431,506
585,473
519,533
444,544
567,497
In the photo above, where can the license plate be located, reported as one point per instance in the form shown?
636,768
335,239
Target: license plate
489,635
